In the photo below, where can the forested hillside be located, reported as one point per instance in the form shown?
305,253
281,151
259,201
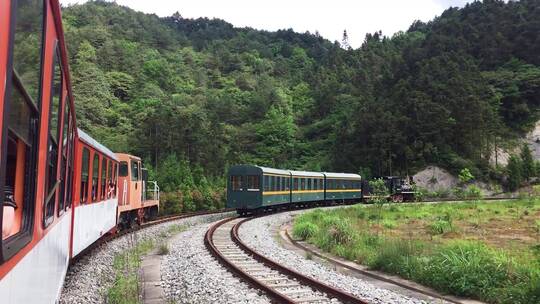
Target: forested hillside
195,96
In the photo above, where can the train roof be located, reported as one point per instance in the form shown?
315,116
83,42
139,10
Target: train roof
83,136
274,171
342,175
307,173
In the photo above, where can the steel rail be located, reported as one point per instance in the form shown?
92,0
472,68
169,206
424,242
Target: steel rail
118,233
287,272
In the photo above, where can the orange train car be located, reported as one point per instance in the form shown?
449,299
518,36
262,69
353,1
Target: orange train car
138,199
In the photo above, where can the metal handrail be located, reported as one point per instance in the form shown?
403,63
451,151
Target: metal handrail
154,190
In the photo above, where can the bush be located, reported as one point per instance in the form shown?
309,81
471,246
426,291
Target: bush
467,269
439,227
473,191
305,230
171,203
389,224
163,248
396,256
340,231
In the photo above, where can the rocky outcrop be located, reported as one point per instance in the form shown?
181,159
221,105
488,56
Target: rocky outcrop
434,178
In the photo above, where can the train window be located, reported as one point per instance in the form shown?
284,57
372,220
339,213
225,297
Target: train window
103,180
95,177
115,179
70,157
266,183
253,183
134,170
27,45
280,183
287,183
316,184
295,184
84,175
17,187
123,171
236,182
52,181
302,184
308,184
110,183
63,162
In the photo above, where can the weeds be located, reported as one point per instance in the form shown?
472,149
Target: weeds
163,248
125,289
305,230
461,267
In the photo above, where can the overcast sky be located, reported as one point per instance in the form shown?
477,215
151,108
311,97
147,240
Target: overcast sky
329,17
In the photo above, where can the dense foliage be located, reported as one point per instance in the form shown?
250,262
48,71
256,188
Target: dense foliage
200,91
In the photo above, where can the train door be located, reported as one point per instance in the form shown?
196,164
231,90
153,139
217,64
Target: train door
136,183
144,183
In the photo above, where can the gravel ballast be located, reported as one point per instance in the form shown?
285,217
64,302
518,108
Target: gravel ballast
191,275
257,234
88,280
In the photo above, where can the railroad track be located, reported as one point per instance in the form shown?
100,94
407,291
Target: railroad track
280,283
163,219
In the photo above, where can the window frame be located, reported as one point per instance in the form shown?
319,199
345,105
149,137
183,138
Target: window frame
236,180
70,165
120,165
53,193
103,178
13,244
132,177
266,183
253,183
83,197
95,194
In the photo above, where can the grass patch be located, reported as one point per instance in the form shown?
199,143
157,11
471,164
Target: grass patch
467,249
125,289
163,248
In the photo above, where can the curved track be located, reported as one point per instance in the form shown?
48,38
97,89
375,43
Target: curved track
118,233
278,282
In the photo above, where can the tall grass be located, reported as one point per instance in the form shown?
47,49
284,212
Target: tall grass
465,268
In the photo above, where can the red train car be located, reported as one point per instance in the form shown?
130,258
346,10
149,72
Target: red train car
36,155
59,187
95,204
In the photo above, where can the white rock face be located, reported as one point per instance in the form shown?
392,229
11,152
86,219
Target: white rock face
533,139
434,178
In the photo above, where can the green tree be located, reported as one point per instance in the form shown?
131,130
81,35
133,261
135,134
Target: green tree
515,173
527,162
465,176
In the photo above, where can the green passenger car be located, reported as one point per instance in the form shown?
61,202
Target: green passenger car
342,187
307,186
253,187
